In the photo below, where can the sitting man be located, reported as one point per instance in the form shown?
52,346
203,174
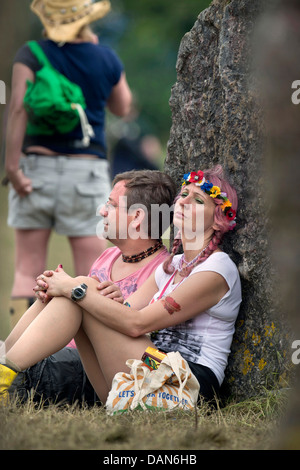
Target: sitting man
137,213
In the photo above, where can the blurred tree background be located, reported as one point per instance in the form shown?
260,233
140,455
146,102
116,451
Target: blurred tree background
147,35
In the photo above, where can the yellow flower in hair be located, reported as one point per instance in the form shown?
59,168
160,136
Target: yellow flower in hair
215,191
226,204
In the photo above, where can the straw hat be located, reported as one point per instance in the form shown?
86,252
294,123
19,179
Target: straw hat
63,19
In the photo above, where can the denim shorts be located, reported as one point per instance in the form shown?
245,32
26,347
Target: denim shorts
67,195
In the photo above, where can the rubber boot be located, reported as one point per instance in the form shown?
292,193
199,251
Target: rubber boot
7,376
18,307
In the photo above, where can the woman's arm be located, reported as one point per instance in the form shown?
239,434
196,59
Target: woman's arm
16,127
120,99
196,294
137,300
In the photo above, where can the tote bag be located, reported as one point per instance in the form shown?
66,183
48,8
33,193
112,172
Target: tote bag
171,386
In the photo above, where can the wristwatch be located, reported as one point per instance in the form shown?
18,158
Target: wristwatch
79,292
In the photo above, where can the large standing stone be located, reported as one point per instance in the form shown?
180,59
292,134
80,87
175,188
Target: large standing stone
216,118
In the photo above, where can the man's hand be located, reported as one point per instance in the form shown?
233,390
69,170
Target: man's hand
110,290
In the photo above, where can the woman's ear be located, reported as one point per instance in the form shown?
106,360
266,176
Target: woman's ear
215,227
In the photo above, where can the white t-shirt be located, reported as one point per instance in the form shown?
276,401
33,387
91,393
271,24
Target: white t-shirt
205,339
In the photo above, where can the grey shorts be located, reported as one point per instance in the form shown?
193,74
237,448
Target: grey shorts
67,195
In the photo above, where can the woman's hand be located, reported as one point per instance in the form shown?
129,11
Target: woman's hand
53,284
41,289
59,282
21,184
110,290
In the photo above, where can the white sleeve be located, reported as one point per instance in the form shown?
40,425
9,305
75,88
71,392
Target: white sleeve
221,264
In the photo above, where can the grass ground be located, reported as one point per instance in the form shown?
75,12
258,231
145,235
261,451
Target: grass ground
251,425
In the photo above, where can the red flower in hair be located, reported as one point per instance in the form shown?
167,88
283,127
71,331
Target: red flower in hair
196,177
230,214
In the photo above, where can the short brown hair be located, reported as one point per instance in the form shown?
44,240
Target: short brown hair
147,187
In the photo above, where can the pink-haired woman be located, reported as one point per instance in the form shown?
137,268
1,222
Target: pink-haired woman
191,301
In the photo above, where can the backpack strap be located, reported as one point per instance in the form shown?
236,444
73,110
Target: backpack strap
86,128
39,53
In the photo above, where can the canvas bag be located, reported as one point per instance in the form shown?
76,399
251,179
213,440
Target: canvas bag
171,386
54,104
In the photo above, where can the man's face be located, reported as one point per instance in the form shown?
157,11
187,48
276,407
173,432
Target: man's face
114,213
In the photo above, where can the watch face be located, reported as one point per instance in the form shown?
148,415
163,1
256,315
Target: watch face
78,292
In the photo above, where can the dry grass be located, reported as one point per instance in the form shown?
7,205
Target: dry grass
250,425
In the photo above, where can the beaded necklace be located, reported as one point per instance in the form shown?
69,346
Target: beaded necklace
183,260
143,254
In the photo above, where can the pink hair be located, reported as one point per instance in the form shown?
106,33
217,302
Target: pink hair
216,176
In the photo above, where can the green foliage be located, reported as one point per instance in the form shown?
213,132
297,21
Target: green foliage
147,36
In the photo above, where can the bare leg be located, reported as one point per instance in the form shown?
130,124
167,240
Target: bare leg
112,350
31,253
91,364
23,323
89,358
30,259
50,331
85,251
58,323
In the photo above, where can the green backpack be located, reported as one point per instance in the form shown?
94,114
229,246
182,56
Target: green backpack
54,104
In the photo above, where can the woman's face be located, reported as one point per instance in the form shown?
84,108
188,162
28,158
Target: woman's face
194,214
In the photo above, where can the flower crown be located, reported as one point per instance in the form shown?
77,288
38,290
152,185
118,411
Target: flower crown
197,177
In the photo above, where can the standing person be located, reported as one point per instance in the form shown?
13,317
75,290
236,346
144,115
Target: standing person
120,270
192,300
55,177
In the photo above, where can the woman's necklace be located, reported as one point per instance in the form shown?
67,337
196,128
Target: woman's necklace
183,260
143,254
